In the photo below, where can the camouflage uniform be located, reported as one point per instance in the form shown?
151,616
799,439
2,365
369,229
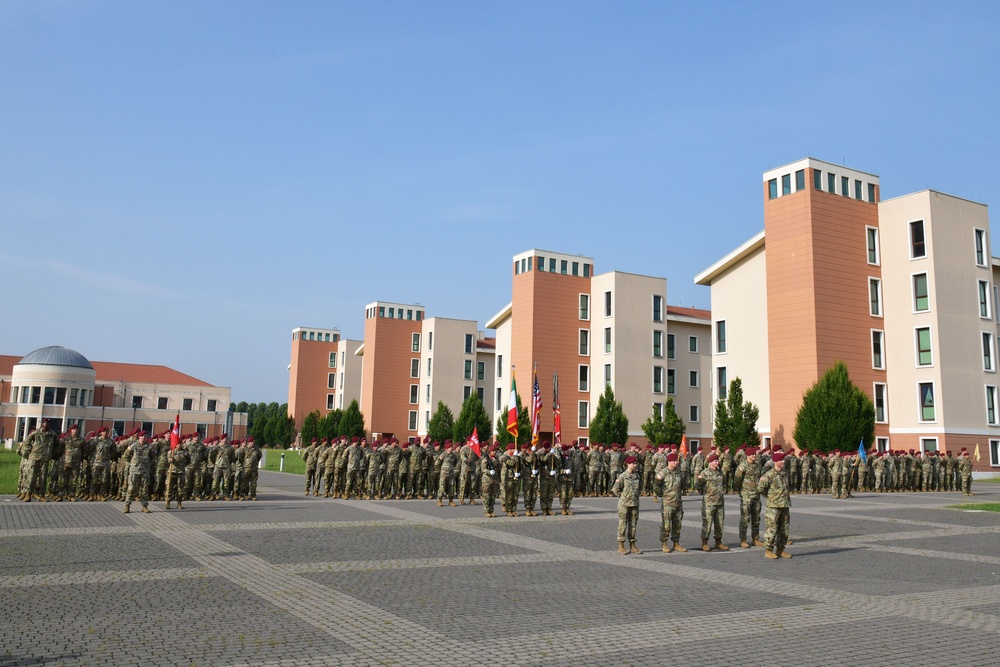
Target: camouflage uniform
140,456
251,469
565,479
446,483
774,487
747,475
529,463
627,487
510,479
672,509
488,466
40,446
177,461
547,471
713,509
72,464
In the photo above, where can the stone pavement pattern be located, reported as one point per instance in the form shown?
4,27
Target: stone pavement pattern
291,580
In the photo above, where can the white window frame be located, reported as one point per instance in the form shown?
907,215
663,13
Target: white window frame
608,344
920,406
655,333
881,340
671,387
607,375
722,388
330,401
671,343
333,360
909,231
693,379
994,447
916,347
331,380
694,349
983,296
990,396
913,292
877,282
415,367
871,235
694,414
583,414
885,402
721,340
584,307
415,343
583,377
412,422
608,307
658,299
989,362
980,247
583,340
414,394
923,447
659,370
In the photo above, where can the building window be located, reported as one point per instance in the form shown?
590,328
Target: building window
136,402
498,397
720,336
858,190
607,304
817,179
671,350
468,369
880,403
657,308
583,414
657,344
980,247
928,445
692,378
330,401
924,356
211,405
429,366
343,358
466,392
331,380
991,405
871,234
49,396
693,414
607,374
882,444
693,344
36,397
786,184
984,299
607,340
499,366
468,343
586,270
333,360
878,357
576,268
926,390
921,295
831,183
875,296
584,342
917,247
871,192
415,345
552,264
995,453
584,378
658,409
772,188
341,380
412,426
800,180
480,391
988,364
722,381
562,266
671,381
529,264
186,404
584,306
161,403
430,341
480,371
427,391
541,264
657,379
845,186
392,314
414,368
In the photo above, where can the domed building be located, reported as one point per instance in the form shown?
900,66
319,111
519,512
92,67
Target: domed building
62,385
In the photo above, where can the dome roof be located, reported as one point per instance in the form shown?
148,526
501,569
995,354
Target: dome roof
56,355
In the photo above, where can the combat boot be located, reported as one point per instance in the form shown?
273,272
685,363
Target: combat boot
621,548
770,554
569,512
784,554
168,506
665,548
634,549
471,501
179,506
127,510
145,509
564,511
757,542
704,546
678,548
451,503
744,543
440,504
720,546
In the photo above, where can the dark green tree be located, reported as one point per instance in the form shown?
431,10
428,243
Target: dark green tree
330,424
310,427
523,425
736,421
442,423
609,424
473,415
835,414
666,428
352,422
280,428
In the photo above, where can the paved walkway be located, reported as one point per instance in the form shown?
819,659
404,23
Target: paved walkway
290,580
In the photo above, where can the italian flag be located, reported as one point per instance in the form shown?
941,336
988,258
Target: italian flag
512,406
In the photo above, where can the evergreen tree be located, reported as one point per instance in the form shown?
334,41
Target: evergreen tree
523,425
329,425
352,422
473,415
835,414
736,421
442,423
666,428
609,424
310,427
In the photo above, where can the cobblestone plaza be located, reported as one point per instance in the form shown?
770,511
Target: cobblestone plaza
291,580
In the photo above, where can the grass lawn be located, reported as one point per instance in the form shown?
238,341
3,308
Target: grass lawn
293,461
982,507
10,462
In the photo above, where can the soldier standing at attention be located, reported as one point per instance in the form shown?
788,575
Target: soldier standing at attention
965,472
774,486
72,461
40,445
309,455
529,463
177,461
547,471
627,488
251,461
713,509
510,478
446,483
566,478
747,475
672,509
100,463
488,467
140,455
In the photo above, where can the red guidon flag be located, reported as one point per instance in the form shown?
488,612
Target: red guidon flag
175,433
512,406
474,440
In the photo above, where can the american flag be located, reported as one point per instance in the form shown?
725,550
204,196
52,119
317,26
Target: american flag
536,410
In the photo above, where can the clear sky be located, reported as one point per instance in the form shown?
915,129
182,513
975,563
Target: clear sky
184,182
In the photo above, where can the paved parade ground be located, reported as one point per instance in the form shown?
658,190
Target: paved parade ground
289,580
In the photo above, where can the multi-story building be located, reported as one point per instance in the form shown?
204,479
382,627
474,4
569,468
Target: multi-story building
324,374
900,290
689,371
61,385
594,331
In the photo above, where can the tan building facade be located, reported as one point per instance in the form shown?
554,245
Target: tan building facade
324,373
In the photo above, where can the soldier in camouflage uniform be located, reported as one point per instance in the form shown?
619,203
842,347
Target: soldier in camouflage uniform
40,446
488,470
530,479
251,470
747,475
565,478
672,509
223,470
965,472
309,456
547,470
193,473
713,509
100,465
510,479
140,456
627,487
418,470
177,462
446,483
72,463
773,485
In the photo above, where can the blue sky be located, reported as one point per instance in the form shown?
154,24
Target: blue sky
183,183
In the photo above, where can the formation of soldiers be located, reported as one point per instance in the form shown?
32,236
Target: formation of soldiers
131,467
